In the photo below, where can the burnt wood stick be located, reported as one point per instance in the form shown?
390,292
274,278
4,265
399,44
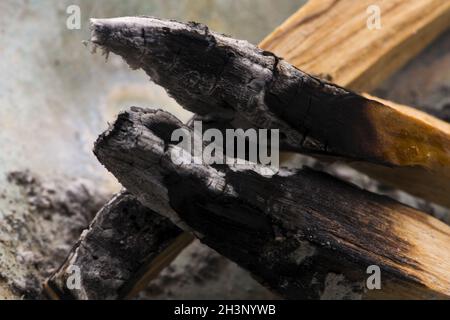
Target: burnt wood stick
303,234
232,80
125,246
213,75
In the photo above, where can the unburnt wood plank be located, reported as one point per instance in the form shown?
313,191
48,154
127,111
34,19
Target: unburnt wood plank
233,81
304,234
332,38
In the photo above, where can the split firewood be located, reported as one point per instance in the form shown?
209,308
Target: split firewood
377,36
233,81
304,234
125,246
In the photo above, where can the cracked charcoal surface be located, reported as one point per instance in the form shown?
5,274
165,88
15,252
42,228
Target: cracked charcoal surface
110,254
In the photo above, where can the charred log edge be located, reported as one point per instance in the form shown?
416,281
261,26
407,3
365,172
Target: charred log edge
143,269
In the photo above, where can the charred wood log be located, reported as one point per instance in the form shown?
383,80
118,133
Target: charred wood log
303,234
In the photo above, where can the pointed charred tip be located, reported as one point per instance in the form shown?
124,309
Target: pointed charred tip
100,28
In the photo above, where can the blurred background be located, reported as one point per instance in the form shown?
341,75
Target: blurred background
56,97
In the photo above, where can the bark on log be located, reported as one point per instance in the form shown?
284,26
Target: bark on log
125,246
304,234
231,80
